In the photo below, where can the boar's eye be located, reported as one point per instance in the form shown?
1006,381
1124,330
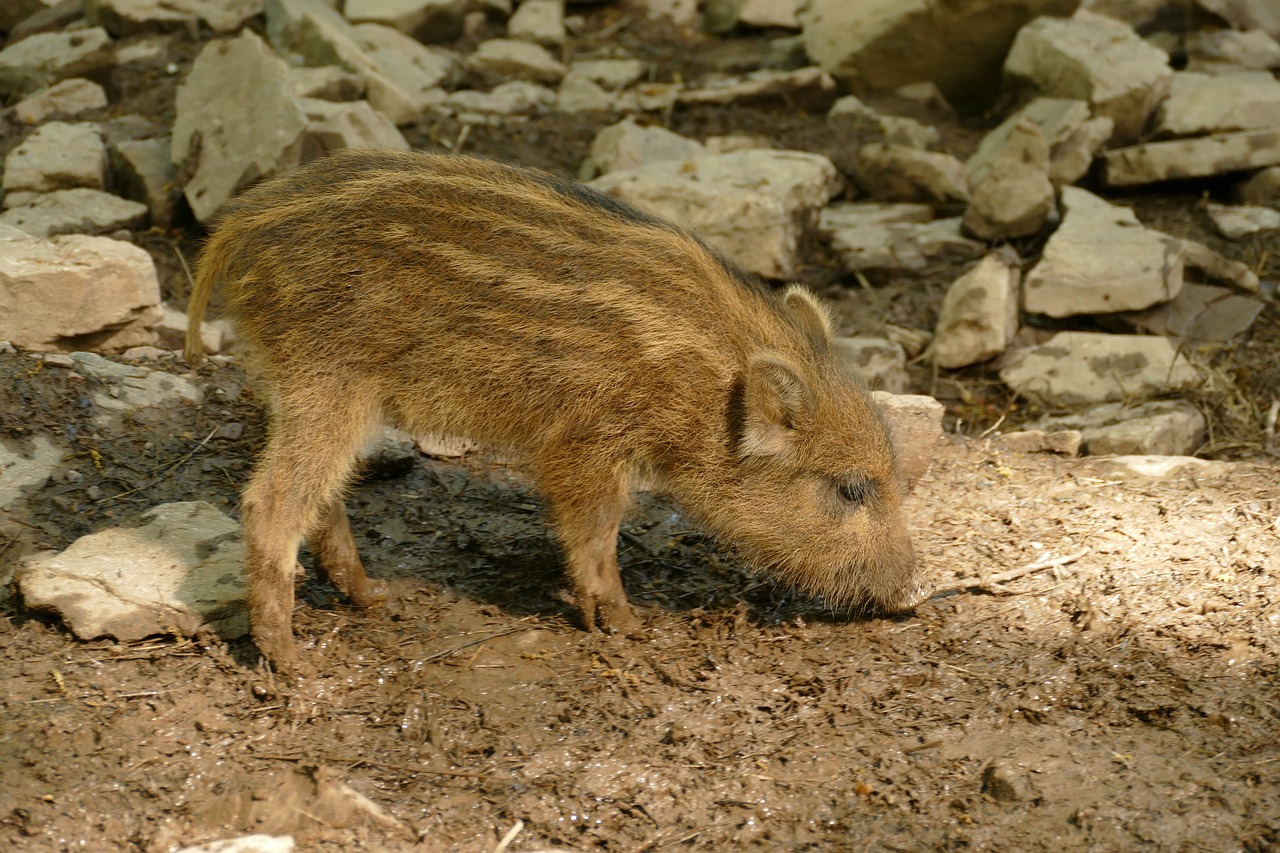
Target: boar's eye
855,491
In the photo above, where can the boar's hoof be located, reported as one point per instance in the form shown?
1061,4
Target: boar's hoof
609,617
371,594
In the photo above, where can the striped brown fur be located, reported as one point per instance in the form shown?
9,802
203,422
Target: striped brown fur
449,294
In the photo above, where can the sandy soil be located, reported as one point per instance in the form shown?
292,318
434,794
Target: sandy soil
1123,696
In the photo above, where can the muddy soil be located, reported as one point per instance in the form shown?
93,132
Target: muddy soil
1123,694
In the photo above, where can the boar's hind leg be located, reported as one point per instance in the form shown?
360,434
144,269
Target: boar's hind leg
335,550
309,459
587,527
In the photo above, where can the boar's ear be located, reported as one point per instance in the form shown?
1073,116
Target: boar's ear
811,315
776,401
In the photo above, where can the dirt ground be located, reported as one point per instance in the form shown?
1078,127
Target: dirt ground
1123,694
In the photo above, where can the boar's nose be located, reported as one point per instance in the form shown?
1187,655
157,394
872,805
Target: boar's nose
919,590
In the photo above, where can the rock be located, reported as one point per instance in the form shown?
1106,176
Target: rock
1140,468
1011,196
1213,265
143,172
979,314
915,422
76,291
1065,442
894,237
782,14
171,332
444,446
540,21
41,60
578,93
56,156
681,13
326,81
1135,13
1101,259
403,88
752,205
245,844
392,455
804,88
1247,14
1230,51
15,11
612,74
1192,158
1199,313
25,467
350,124
1261,188
77,211
424,20
898,130
237,121
1095,58
498,60
1234,222
1203,103
628,145
1071,159
67,99
1156,428
899,173
1086,367
1003,784
141,394
515,97
176,574
880,362
130,17
887,43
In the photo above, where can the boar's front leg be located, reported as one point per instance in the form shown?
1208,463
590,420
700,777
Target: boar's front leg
586,512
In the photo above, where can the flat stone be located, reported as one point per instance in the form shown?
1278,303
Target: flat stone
67,99
515,97
540,21
130,17
77,211
1101,259
1097,59
979,314
1065,442
899,130
236,119
38,61
1218,268
427,21
347,124
145,395
1072,368
1247,14
75,291
612,74
752,205
1204,103
1231,51
1199,313
498,60
176,574
1158,427
245,844
915,422
1145,468
899,173
910,245
805,88
1200,157
579,93
628,145
26,466
326,81
1234,222
881,363
57,156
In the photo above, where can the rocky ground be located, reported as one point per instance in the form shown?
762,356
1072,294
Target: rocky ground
1097,671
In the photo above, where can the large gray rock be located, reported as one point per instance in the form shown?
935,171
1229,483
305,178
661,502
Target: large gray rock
76,291
131,391
43,59
888,43
178,573
1086,367
1011,196
627,145
75,211
237,121
1156,428
129,17
1200,157
752,205
403,88
66,99
1101,259
1097,59
901,237
1072,136
979,314
1203,103
1200,313
57,156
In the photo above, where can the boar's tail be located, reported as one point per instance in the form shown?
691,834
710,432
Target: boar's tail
208,271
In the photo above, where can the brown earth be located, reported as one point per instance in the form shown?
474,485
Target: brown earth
1125,695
